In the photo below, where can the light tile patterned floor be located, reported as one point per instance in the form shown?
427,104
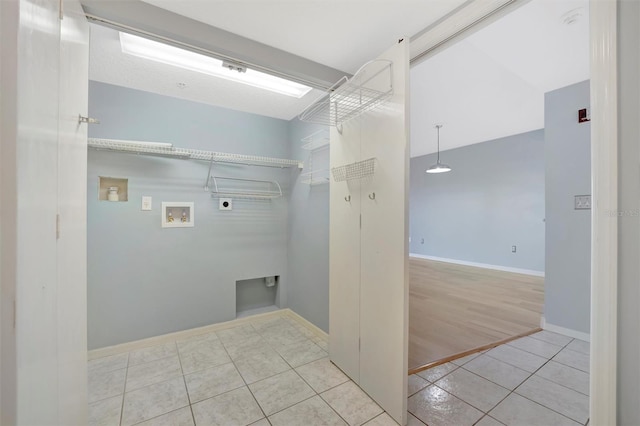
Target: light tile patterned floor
539,380
276,372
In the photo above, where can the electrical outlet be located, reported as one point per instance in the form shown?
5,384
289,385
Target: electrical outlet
582,202
421,240
226,204
513,249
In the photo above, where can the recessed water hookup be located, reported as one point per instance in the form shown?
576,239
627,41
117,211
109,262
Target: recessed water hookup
178,214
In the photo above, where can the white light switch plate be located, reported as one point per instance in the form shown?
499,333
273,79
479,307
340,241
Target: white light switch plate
146,203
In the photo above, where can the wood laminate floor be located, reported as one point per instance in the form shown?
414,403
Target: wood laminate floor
456,308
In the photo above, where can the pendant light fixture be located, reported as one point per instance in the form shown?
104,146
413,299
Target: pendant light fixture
438,167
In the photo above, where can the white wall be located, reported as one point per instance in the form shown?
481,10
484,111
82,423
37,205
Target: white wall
144,280
493,199
568,231
308,224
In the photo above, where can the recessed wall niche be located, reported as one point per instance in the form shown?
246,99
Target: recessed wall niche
113,189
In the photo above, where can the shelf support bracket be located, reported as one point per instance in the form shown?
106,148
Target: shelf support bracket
206,184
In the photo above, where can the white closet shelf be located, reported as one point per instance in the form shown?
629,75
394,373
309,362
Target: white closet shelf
348,98
168,150
316,140
357,170
245,188
315,177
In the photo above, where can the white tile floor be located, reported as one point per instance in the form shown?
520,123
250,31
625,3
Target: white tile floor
540,380
276,372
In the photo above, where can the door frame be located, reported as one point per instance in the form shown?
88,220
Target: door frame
604,225
604,191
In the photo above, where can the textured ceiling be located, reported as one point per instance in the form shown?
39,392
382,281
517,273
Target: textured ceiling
109,65
492,83
343,34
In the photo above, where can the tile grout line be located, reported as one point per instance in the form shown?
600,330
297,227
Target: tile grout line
232,361
415,417
326,390
162,381
184,380
486,415
126,374
311,387
531,375
333,409
242,377
302,378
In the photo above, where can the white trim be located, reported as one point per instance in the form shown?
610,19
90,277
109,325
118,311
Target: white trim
564,331
463,21
480,265
179,335
321,334
604,228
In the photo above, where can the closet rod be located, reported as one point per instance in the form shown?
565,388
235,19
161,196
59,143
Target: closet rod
167,150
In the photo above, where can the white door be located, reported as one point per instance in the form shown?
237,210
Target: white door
36,204
384,287
368,242
44,88
344,256
72,211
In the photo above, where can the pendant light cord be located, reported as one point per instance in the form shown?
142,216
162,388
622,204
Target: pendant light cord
438,127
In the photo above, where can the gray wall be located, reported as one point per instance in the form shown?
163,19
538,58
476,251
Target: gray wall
629,204
308,246
491,200
568,231
144,280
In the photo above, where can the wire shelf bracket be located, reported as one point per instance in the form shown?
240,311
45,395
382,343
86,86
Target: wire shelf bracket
316,140
315,177
370,86
357,170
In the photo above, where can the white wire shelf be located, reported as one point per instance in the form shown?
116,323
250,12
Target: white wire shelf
244,188
316,140
168,150
315,177
370,86
357,170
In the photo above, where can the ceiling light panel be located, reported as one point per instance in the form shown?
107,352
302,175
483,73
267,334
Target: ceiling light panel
171,55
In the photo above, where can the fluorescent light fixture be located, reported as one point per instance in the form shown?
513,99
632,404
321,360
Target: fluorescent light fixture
170,55
438,167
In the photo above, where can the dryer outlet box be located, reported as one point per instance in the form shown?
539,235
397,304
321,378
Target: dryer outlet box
226,204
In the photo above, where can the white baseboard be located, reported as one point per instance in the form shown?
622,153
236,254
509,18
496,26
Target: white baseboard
178,335
564,331
320,333
480,265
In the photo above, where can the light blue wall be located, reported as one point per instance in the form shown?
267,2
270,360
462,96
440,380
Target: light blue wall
308,246
492,199
568,231
144,280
